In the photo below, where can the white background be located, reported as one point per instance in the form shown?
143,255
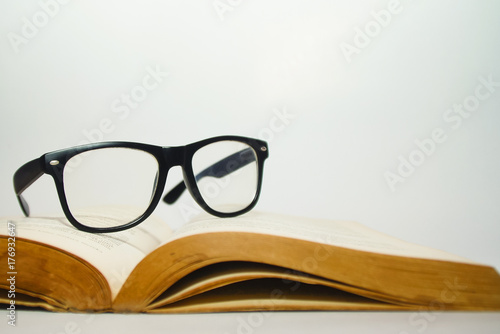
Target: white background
336,123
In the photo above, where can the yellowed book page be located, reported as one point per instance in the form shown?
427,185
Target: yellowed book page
227,273
113,254
345,234
274,295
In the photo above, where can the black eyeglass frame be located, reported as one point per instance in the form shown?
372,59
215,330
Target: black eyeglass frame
53,163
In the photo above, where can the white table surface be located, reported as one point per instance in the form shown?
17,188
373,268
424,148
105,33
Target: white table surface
256,322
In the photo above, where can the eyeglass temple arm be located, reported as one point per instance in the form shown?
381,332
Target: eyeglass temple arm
220,169
24,177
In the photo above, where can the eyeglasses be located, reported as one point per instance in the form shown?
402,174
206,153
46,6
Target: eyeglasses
113,186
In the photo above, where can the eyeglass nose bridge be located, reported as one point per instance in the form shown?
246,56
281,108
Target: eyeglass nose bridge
173,156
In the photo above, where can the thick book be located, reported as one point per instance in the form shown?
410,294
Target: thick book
258,261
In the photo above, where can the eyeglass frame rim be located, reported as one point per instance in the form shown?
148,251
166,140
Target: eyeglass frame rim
53,164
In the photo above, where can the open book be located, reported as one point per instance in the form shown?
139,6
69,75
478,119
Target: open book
258,261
